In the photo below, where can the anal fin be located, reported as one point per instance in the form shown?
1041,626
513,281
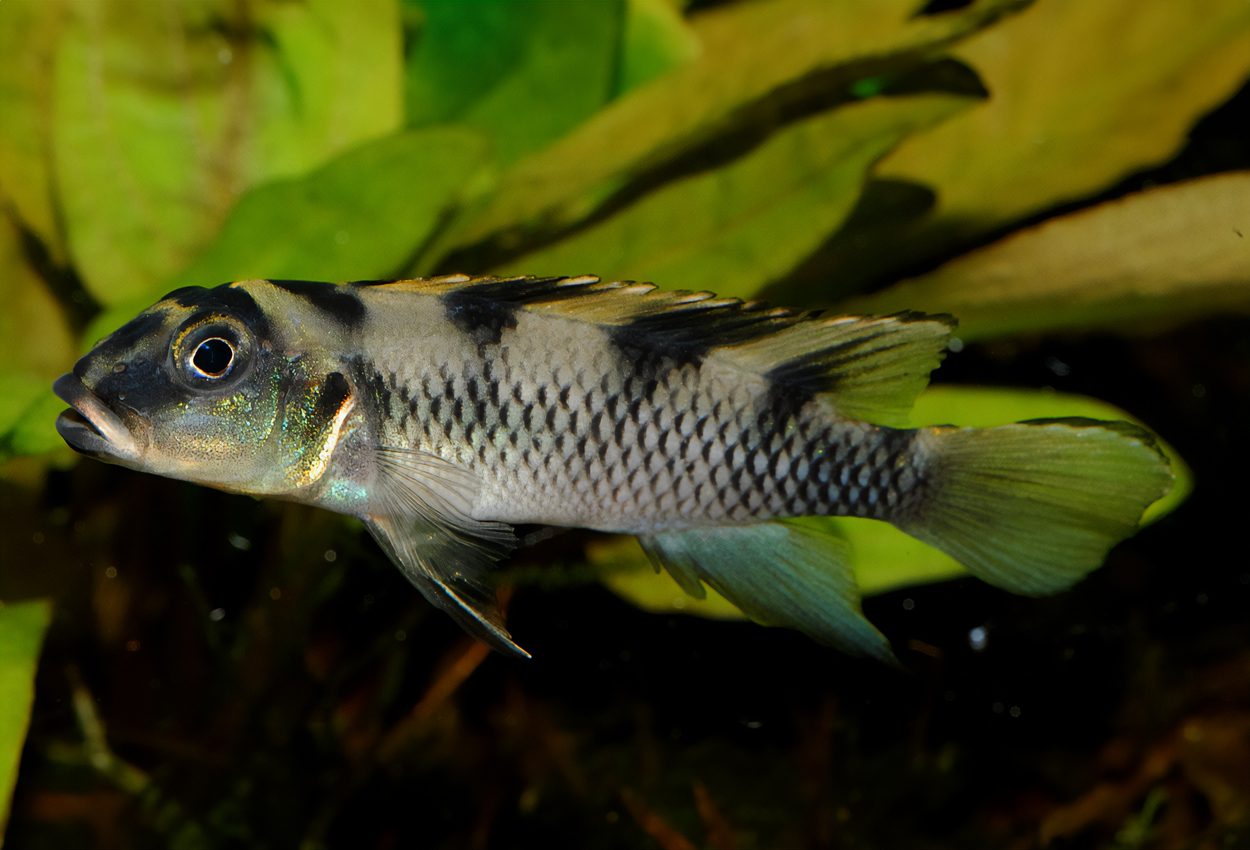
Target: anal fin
421,522
779,574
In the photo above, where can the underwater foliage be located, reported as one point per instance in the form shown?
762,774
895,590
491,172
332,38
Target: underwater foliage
1069,179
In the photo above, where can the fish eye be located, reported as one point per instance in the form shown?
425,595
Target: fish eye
213,358
211,352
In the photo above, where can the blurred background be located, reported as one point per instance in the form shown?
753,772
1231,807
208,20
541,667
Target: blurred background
180,667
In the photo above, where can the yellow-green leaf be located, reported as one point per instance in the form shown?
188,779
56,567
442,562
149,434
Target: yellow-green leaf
1082,95
22,627
1142,262
736,228
28,36
35,338
165,112
656,40
358,217
757,60
521,73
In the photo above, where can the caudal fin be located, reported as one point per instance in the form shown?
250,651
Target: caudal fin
1033,507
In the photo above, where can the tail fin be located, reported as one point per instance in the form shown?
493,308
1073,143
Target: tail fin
1033,507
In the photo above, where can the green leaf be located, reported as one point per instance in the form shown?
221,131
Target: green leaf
36,346
736,228
522,73
164,113
1082,96
883,557
28,36
758,61
22,627
1142,262
35,337
657,40
360,217
28,421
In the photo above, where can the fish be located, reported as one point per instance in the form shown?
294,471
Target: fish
450,413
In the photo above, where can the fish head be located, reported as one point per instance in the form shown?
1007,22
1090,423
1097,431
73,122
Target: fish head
191,388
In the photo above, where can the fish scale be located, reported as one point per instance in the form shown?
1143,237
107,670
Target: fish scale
664,450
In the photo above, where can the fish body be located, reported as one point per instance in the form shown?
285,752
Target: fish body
444,412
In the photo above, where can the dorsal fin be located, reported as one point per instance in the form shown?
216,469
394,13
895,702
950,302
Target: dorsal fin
670,318
872,368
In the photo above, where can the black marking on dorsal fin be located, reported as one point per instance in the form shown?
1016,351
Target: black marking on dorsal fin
679,325
338,301
483,307
521,291
822,370
702,322
483,319
873,368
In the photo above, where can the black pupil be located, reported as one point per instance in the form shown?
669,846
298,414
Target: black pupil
213,357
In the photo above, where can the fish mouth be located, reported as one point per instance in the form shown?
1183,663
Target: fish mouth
90,427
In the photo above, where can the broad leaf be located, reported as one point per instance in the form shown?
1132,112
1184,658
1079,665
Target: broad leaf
35,338
1082,95
522,73
164,113
28,37
22,628
736,228
656,40
361,217
759,62
36,345
1143,262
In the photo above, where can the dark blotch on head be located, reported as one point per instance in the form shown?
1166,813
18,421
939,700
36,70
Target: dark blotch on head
143,385
226,299
124,339
334,394
339,301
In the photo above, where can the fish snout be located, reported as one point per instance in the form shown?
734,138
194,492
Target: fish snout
90,426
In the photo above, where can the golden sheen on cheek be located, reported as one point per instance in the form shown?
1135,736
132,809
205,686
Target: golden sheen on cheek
231,426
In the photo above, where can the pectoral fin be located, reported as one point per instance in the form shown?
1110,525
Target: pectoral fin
778,574
422,521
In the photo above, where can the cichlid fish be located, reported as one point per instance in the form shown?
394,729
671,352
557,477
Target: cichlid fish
444,412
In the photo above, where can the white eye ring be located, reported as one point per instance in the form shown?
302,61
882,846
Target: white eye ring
206,360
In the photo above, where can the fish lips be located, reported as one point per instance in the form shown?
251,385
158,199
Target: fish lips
90,426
